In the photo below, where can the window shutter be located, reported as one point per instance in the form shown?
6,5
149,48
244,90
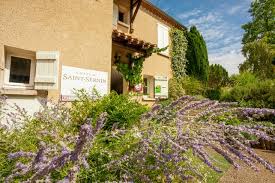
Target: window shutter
163,37
46,77
115,15
160,36
166,39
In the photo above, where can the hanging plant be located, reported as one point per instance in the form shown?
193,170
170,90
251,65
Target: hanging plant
132,70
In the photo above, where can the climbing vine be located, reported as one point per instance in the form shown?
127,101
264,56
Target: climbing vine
132,70
178,51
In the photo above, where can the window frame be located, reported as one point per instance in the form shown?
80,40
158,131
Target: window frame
147,86
7,83
126,13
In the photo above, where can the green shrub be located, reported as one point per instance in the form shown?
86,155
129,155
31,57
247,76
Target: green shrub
175,89
122,110
213,94
185,85
244,79
251,92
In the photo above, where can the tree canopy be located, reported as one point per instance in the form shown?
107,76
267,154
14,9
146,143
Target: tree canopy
259,39
259,56
262,23
218,76
197,56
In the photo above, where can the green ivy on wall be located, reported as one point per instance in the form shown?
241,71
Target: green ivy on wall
132,70
178,51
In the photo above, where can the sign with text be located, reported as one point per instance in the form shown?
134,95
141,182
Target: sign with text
74,79
161,87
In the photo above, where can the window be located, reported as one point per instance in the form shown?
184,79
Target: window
145,86
19,70
115,15
121,16
163,38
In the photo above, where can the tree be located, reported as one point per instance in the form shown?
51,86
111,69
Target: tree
263,21
218,76
259,39
259,56
197,56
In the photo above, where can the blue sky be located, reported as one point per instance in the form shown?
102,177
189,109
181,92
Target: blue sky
219,21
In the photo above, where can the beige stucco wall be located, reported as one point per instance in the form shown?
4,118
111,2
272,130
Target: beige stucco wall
79,29
146,28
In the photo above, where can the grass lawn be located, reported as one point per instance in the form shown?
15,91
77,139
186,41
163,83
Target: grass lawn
209,175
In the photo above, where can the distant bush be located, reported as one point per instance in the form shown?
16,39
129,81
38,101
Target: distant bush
213,94
122,110
185,85
249,91
244,79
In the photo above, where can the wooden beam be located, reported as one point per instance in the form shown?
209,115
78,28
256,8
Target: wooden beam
133,5
136,11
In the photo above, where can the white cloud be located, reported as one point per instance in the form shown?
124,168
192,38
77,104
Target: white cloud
235,9
186,15
210,17
230,60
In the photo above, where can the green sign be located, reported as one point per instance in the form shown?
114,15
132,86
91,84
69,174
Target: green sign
158,89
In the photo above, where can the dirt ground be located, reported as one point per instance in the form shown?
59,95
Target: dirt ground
247,175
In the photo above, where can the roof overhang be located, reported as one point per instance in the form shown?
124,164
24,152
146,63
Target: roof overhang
162,15
131,42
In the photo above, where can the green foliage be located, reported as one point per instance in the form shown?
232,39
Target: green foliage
185,85
218,76
197,56
55,124
259,39
131,71
177,52
244,79
176,89
249,136
213,94
27,137
251,92
259,57
109,146
228,119
262,23
122,110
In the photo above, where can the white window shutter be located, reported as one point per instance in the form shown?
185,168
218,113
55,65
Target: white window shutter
160,36
166,39
163,37
46,77
115,15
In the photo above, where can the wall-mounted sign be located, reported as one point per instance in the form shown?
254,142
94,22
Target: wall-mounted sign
74,79
138,88
161,87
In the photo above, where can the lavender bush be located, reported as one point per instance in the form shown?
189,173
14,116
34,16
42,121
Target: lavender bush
171,143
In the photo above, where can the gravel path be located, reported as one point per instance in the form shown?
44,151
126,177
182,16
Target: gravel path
247,175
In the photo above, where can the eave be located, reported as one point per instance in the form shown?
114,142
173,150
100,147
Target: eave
131,42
